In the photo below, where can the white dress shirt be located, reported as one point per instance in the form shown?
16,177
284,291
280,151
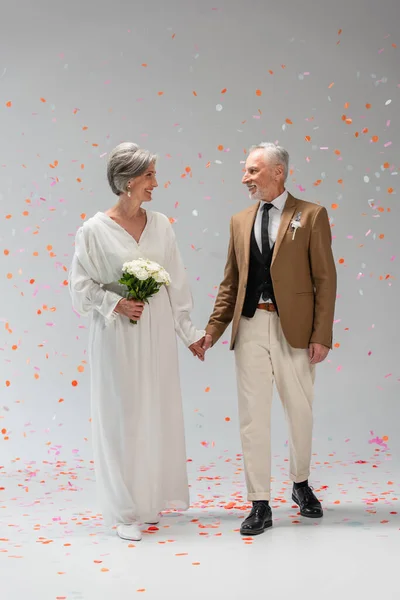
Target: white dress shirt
275,215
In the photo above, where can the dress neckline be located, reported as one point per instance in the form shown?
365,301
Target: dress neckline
149,216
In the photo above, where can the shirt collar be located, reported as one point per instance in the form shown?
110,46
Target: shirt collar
278,202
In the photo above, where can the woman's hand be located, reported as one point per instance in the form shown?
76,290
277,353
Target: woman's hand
197,350
130,308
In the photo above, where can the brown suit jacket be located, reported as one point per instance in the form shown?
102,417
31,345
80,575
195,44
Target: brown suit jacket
303,274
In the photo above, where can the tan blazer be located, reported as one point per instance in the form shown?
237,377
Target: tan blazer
303,274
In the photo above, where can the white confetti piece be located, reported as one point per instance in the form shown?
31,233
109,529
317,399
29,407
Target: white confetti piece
388,102
219,107
366,179
195,213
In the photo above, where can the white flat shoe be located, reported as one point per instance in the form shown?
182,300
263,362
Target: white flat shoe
129,532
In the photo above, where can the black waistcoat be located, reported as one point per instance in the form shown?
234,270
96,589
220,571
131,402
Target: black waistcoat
259,278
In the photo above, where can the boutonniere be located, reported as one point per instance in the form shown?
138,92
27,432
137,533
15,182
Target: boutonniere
295,224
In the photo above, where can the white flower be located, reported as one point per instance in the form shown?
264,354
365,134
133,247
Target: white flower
295,224
162,276
142,274
152,267
144,269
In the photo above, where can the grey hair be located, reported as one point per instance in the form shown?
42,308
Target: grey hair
125,162
279,154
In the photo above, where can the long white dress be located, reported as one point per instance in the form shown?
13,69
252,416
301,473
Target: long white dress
137,420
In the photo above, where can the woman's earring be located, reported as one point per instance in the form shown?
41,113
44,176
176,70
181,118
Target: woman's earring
129,191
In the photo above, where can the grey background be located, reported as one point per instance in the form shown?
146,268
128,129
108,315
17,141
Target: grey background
85,60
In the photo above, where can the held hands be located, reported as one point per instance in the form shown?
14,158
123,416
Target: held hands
130,308
317,353
200,347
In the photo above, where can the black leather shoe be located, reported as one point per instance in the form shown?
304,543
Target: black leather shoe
309,505
259,519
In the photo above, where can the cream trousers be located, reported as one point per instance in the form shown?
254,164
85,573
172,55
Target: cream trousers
262,356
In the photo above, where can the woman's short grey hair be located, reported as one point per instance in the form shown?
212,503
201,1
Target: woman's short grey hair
279,154
126,162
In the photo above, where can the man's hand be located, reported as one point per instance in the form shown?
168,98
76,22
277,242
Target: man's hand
207,342
317,353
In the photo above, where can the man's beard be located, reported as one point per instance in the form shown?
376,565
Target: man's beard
257,195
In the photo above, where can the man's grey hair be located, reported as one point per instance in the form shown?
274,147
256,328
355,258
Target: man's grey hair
125,162
279,154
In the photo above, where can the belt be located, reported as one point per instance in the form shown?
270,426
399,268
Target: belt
267,306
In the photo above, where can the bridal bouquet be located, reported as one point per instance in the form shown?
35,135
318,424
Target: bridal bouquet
143,278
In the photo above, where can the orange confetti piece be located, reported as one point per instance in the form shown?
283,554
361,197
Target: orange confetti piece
9,276
341,261
81,369
104,570
368,105
390,190
289,122
141,590
42,100
6,252
195,564
381,236
334,206
307,138
258,93
74,383
375,138
220,147
224,91
386,165
194,93
160,93
330,85
207,389
227,419
61,400
182,554
9,104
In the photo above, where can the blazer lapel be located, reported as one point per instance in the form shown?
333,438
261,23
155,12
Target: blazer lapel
247,227
287,215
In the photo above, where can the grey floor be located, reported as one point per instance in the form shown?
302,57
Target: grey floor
53,544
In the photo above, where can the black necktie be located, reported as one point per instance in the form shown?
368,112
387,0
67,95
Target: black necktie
266,249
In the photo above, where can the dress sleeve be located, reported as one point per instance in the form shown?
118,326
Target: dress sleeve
86,293
179,293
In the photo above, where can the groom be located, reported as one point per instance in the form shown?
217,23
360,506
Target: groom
279,289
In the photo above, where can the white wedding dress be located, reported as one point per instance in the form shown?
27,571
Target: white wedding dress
137,420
